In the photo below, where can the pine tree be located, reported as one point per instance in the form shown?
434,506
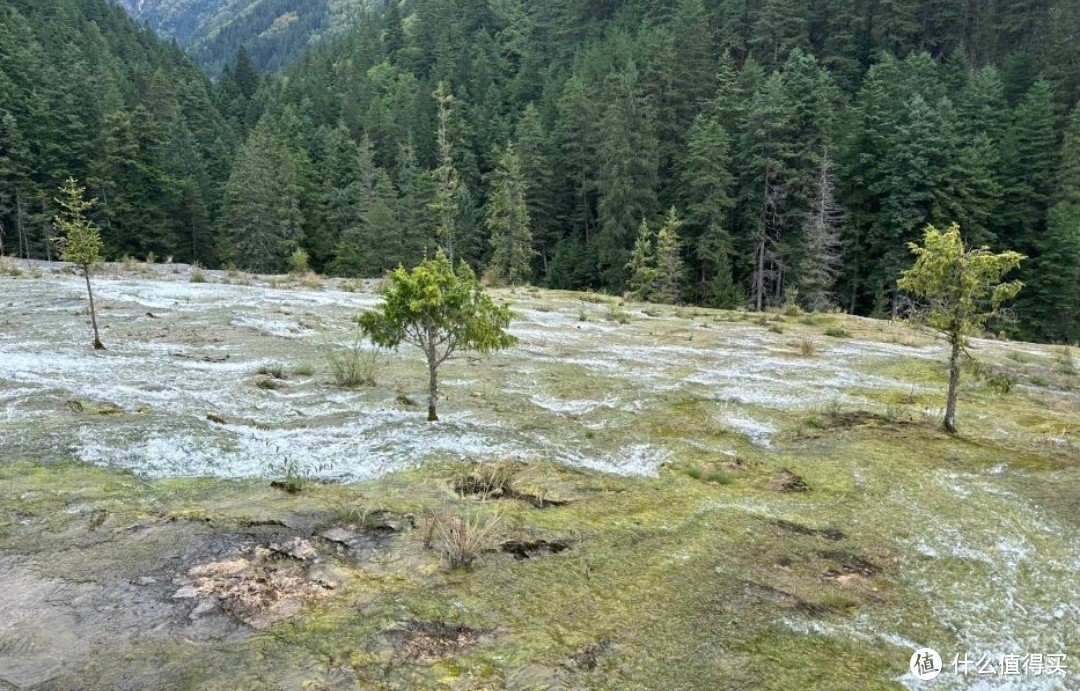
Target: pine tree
445,176
706,184
15,165
821,230
641,268
781,27
670,269
1031,151
627,177
261,214
532,144
1053,308
355,254
383,229
414,209
509,223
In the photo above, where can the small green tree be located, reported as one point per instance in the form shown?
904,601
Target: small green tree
642,265
439,310
963,289
670,268
80,239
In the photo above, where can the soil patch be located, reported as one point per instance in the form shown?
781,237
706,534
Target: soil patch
799,529
532,549
425,642
848,563
787,481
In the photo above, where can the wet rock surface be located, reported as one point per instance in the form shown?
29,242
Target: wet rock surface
174,581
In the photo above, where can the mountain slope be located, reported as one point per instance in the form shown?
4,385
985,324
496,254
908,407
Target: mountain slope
86,93
274,31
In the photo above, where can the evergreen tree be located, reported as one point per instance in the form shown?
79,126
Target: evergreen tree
1052,312
822,233
441,311
262,222
627,178
383,230
414,209
509,223
80,239
963,288
641,268
1032,177
706,184
670,270
355,253
445,176
531,142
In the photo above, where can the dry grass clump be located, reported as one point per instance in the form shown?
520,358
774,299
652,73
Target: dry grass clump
352,366
460,536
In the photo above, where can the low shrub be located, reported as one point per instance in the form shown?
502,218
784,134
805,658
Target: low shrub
299,262
352,366
276,371
1063,362
716,477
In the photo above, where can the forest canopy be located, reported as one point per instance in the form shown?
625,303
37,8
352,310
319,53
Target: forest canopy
802,145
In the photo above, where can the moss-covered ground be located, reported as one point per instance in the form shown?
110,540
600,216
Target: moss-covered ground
651,445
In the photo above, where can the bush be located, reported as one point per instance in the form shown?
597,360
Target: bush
461,536
276,371
352,366
775,328
299,262
1063,362
716,477
791,303
807,348
1001,382
304,370
837,332
616,313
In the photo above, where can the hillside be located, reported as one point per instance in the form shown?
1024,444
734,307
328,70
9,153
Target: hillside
275,32
635,456
788,152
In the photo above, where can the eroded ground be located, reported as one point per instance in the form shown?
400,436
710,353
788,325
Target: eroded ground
644,541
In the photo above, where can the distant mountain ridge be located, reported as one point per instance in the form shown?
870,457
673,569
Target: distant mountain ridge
275,32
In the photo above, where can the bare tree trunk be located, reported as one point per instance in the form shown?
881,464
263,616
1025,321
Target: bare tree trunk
433,387
759,279
20,227
93,314
954,383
